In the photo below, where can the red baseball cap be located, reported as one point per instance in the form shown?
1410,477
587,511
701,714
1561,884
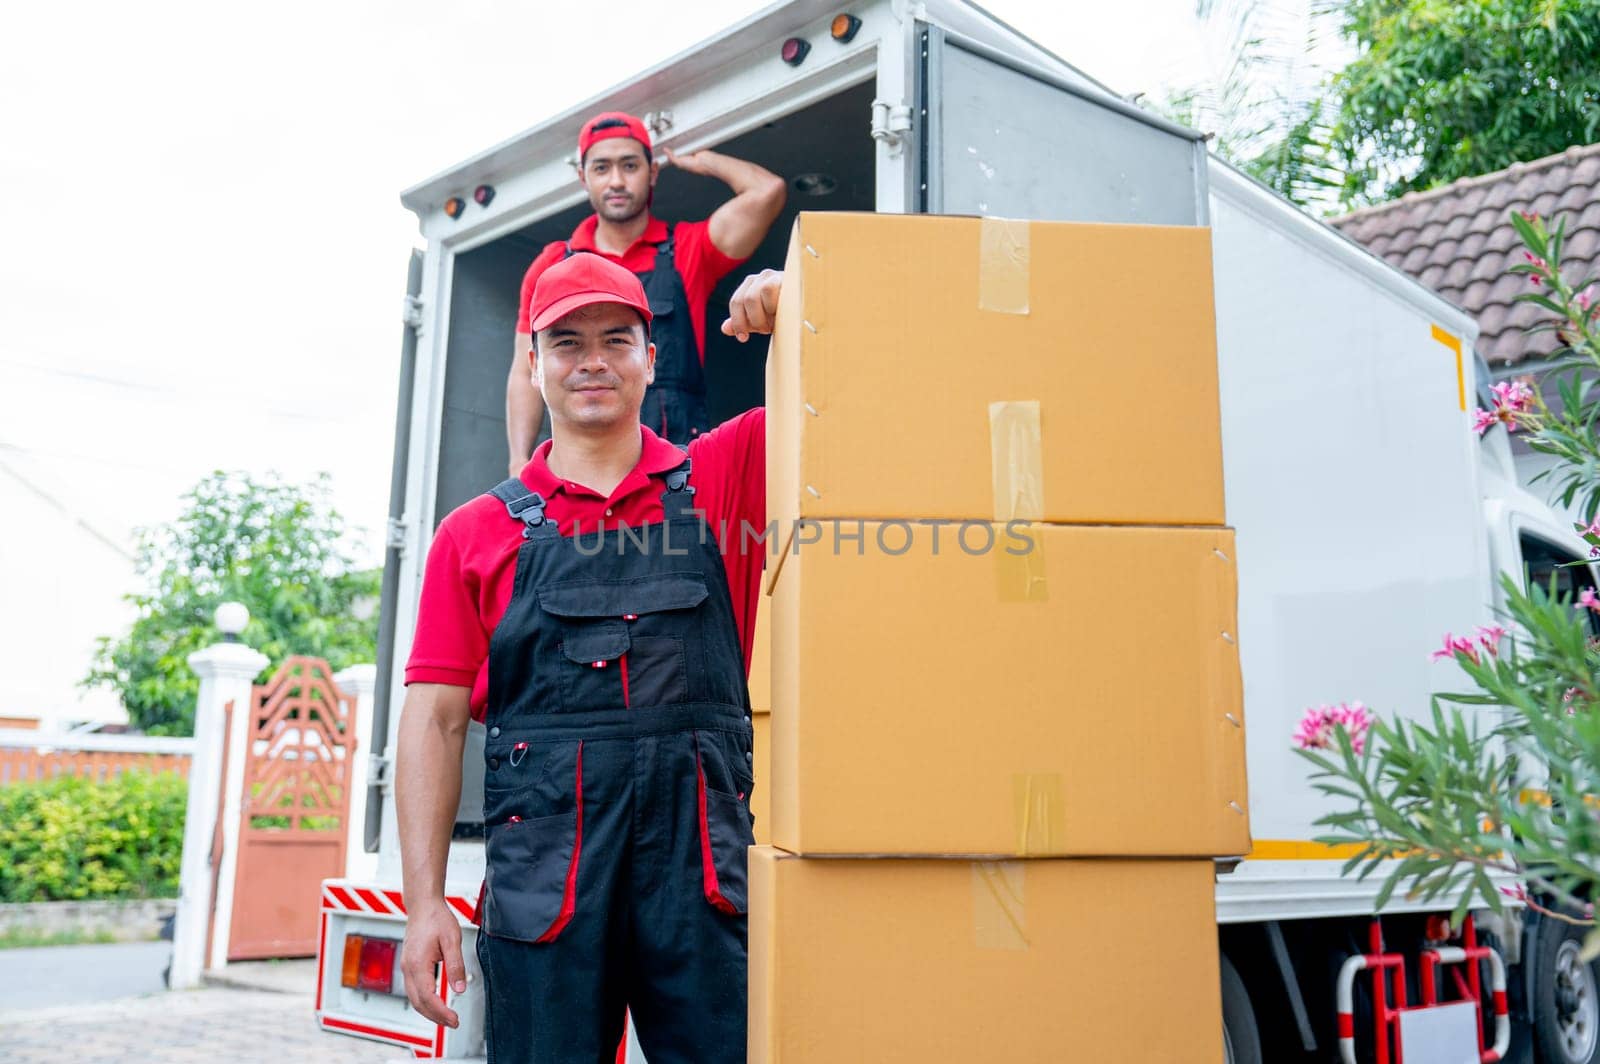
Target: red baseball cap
579,281
612,124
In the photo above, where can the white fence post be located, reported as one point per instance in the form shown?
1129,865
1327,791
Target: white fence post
360,681
226,670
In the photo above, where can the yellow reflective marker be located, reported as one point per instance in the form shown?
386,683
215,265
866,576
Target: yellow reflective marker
1453,342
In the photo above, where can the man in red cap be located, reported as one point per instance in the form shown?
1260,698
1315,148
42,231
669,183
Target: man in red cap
678,264
596,614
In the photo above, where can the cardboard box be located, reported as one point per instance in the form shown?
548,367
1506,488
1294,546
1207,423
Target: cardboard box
761,794
980,368
1080,698
895,961
761,659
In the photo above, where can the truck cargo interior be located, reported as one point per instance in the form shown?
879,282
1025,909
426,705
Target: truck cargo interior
824,151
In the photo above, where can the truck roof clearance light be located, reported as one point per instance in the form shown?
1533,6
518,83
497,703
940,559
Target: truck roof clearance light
483,195
369,964
844,28
794,51
454,206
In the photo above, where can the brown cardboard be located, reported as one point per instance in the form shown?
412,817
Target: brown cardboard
904,382
1080,697
964,962
761,659
761,793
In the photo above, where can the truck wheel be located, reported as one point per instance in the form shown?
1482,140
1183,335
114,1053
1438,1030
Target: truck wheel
1566,997
1241,1042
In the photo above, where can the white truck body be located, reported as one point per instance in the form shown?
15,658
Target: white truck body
1370,519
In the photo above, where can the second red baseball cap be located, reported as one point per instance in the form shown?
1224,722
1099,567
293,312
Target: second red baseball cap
579,281
612,124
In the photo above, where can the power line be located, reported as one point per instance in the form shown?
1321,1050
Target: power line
65,511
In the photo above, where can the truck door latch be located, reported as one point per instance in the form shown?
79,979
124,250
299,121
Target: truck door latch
411,312
890,124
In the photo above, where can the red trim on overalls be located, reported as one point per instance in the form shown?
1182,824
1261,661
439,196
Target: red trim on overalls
569,901
708,866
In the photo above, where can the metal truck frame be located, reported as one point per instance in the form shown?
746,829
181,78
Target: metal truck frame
1369,517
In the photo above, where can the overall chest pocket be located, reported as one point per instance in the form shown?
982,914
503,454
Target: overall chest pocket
623,643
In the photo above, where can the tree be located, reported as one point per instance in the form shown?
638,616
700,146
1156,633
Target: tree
1504,779
1445,89
1265,103
279,549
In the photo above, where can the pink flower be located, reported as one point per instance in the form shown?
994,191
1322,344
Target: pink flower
1518,892
1489,637
1588,599
1514,395
1592,530
1318,725
1583,300
1482,420
1456,645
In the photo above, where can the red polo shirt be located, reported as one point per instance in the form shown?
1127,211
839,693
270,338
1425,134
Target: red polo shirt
699,263
473,561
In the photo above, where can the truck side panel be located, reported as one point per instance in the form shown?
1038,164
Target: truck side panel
1352,480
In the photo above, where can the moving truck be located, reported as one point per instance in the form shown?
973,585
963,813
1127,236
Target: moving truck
1369,517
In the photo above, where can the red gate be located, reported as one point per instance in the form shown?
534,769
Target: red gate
298,753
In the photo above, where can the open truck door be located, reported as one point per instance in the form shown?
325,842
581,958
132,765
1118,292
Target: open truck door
1053,151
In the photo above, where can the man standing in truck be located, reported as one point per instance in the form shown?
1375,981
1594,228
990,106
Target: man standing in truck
678,264
587,614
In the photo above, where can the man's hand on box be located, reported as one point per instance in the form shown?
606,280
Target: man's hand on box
754,305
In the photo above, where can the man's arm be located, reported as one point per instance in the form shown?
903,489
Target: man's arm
738,226
524,405
433,731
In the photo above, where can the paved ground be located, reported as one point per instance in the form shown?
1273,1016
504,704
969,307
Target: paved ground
65,975
106,1005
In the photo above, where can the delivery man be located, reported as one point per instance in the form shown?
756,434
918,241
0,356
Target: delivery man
679,265
588,613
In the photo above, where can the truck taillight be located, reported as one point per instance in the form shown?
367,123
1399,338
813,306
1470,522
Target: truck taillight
369,964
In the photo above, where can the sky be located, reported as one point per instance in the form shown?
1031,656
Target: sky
207,252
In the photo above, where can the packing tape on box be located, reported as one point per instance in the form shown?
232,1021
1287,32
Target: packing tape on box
1016,461
1038,812
1003,249
999,912
1016,471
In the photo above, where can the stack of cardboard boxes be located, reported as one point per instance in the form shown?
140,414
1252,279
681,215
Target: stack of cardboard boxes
1006,735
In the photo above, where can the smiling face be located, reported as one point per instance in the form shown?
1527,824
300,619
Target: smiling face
593,366
618,176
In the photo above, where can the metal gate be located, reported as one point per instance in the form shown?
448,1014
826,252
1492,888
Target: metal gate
300,746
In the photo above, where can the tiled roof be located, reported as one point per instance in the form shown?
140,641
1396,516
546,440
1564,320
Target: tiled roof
1458,240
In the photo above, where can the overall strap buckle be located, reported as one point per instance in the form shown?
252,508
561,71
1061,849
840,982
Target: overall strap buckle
678,499
523,505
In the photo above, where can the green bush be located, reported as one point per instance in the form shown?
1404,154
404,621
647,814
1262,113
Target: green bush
71,839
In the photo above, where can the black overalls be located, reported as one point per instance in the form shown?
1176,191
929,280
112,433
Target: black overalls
616,795
675,404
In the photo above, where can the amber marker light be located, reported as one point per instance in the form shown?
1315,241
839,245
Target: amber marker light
350,970
454,206
844,28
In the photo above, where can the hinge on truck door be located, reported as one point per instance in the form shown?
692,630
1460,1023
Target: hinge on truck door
394,536
890,124
411,312
377,770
